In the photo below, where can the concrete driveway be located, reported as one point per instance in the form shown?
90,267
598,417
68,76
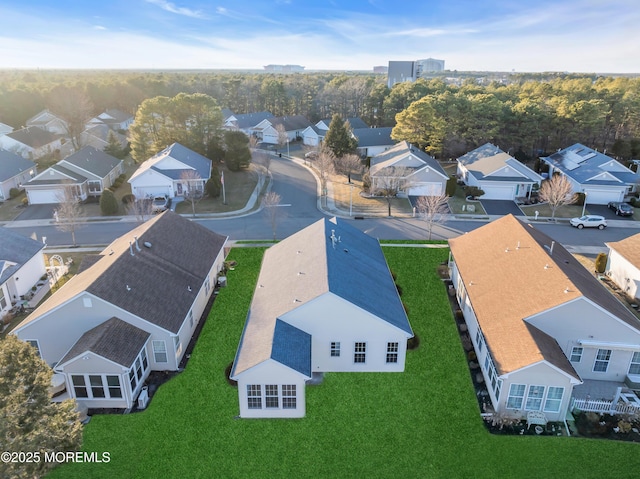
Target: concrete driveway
501,207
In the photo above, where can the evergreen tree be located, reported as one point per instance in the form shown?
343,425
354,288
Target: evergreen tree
238,155
108,203
114,148
29,421
339,138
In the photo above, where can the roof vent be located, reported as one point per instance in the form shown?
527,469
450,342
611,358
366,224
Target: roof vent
189,288
135,238
128,288
566,290
147,244
506,250
546,266
131,249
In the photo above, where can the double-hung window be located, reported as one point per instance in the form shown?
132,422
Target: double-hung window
335,349
602,360
288,396
576,354
516,396
554,399
392,352
534,398
254,396
271,395
634,367
360,353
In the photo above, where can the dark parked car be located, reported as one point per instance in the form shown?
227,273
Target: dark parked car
621,209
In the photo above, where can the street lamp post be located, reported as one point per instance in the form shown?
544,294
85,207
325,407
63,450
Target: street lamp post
288,147
584,204
350,198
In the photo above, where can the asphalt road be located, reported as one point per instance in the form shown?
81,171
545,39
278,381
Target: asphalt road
297,188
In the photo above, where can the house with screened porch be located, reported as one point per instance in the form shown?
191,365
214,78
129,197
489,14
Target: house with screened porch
324,301
548,335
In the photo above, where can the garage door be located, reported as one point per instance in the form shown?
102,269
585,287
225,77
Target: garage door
602,197
42,197
498,192
425,189
151,191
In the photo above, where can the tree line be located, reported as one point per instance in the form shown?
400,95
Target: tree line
525,116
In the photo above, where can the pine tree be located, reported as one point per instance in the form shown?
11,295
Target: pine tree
339,138
108,203
29,421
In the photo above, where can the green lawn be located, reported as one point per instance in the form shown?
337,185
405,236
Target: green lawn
422,423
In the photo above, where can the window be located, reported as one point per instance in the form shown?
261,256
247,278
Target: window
254,396
94,186
191,318
3,300
132,379
34,343
335,349
576,354
113,383
602,360
554,399
634,367
360,353
159,351
178,345
139,368
392,352
271,395
479,340
207,285
534,398
288,396
79,386
516,396
145,362
97,391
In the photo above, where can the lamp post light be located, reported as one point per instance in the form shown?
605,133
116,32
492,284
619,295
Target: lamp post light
288,147
350,198
584,204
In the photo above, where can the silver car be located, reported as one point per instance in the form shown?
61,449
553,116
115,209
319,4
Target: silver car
589,221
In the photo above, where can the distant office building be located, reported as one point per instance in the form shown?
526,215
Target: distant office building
401,71
429,65
380,69
284,68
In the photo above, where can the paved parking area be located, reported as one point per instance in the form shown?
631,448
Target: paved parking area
501,207
37,212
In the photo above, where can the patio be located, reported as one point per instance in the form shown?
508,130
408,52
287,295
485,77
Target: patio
605,396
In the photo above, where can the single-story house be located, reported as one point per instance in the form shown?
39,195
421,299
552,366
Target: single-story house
171,173
130,310
267,130
313,135
373,141
420,173
244,122
15,171
497,173
31,142
547,334
325,301
98,136
116,120
48,121
21,268
603,179
623,264
89,171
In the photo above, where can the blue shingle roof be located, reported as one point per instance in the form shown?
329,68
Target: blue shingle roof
292,347
583,164
17,249
373,136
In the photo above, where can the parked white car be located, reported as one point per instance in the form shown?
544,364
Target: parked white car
589,221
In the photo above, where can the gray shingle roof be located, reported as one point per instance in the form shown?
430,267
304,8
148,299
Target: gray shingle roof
114,340
17,249
92,160
12,165
247,120
373,136
43,179
410,156
488,158
158,278
290,123
583,164
181,153
33,136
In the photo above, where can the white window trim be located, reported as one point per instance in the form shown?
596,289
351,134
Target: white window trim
522,398
164,345
105,386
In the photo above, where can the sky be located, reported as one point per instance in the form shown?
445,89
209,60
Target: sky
593,36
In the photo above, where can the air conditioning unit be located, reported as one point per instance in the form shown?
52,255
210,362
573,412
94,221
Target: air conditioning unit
143,398
222,281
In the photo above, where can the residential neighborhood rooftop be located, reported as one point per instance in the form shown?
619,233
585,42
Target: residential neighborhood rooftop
12,164
15,251
629,248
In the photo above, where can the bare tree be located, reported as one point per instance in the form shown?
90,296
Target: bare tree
389,182
193,188
325,165
273,210
69,211
254,141
73,105
432,209
348,165
557,191
262,158
141,208
283,138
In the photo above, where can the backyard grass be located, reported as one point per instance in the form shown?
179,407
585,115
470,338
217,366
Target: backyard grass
345,195
421,423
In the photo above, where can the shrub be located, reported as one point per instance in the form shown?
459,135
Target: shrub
580,197
108,203
474,192
14,193
601,262
413,343
213,186
227,375
25,201
452,184
122,177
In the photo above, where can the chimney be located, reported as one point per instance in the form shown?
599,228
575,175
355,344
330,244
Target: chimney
137,246
553,243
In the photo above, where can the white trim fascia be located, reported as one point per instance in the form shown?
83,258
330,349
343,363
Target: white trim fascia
609,345
269,359
573,379
124,369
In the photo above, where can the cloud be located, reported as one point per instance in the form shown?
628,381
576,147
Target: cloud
171,7
99,27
